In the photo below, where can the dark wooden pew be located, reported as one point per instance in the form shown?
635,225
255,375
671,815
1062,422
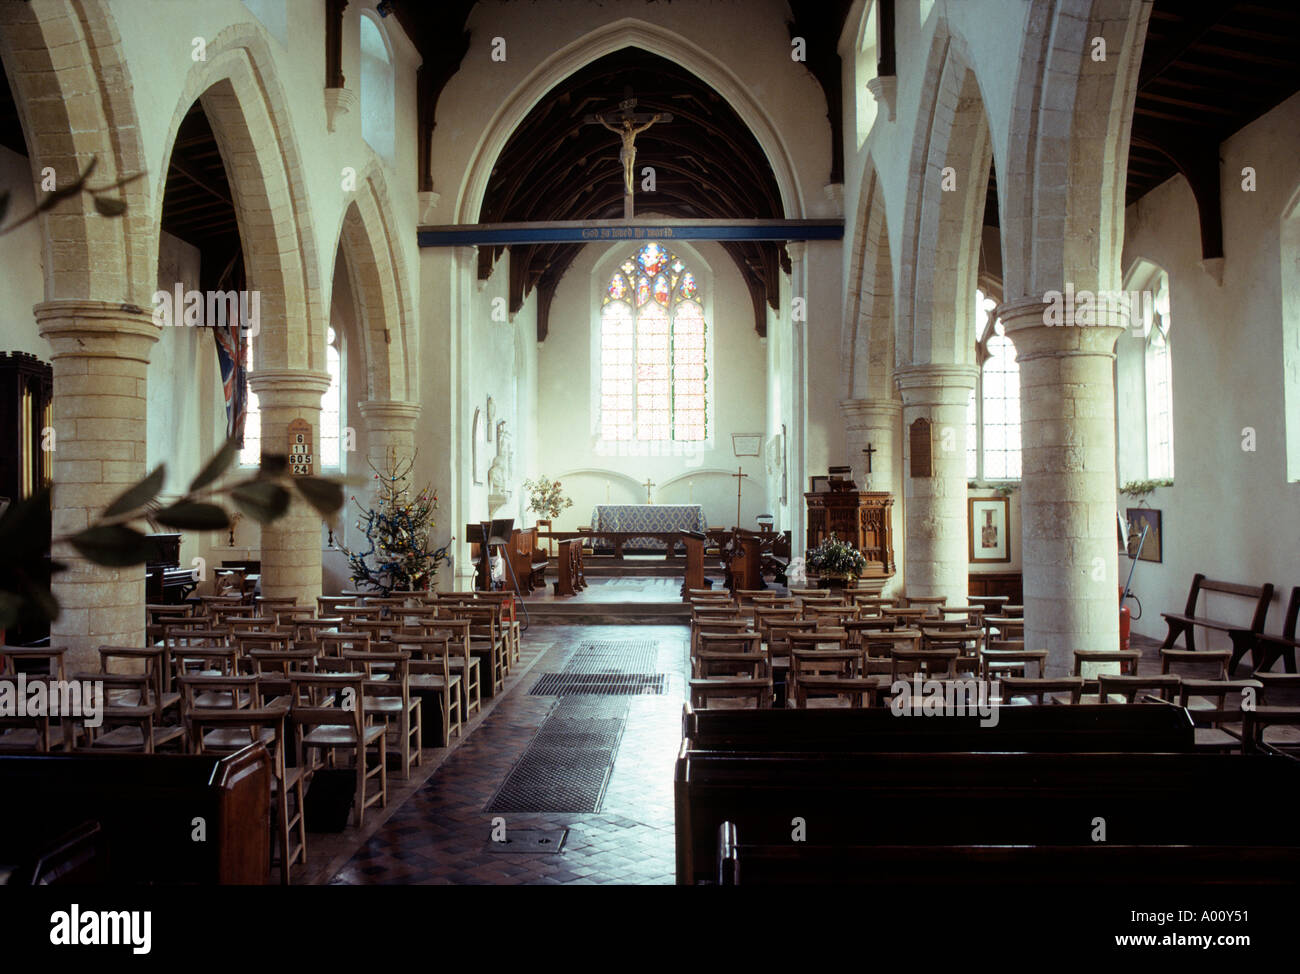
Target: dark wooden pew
145,806
1045,729
1243,637
984,818
570,579
1282,646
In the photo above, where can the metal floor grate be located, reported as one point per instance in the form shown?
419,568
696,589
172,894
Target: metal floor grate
598,684
567,766
606,668
614,656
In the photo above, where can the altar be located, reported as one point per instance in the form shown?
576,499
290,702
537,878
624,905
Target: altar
646,517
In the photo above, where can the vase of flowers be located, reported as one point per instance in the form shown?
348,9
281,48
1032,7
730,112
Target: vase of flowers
545,498
837,563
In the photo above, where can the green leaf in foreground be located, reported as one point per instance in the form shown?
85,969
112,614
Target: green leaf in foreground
191,515
215,467
109,206
139,495
274,464
113,545
324,495
262,500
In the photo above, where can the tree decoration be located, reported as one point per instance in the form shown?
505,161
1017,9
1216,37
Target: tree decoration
397,534
545,497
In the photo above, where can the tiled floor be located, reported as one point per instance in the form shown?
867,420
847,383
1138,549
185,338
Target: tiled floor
441,833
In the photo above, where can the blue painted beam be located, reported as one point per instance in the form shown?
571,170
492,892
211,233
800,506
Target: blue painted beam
503,234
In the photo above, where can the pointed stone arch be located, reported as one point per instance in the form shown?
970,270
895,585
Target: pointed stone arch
626,32
381,286
938,260
867,345
247,108
75,103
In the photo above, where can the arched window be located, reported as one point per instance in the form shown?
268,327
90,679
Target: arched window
250,454
653,352
1159,376
993,413
378,126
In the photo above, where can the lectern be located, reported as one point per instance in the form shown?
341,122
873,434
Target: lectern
860,517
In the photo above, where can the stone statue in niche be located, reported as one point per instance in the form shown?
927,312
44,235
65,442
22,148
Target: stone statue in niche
505,448
501,472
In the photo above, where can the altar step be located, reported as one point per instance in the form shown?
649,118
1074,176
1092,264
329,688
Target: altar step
578,613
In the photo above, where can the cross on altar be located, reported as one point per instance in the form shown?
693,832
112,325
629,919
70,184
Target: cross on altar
647,485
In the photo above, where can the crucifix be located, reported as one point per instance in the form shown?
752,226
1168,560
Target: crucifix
866,481
647,485
739,475
627,125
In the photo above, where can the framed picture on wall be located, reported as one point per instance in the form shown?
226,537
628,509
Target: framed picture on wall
1139,518
988,522
747,444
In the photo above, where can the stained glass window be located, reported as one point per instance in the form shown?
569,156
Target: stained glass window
331,413
653,352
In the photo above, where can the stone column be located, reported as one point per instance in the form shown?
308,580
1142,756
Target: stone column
390,425
938,553
101,361
797,440
875,422
1067,499
291,546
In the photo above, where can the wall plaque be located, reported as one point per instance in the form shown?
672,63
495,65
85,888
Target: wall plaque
921,447
301,457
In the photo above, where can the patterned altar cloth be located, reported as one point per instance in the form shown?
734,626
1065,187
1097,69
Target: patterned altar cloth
647,517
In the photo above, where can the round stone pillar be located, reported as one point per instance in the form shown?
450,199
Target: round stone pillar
874,422
1067,496
390,426
937,549
101,361
291,546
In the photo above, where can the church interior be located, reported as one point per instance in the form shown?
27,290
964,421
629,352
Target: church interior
649,442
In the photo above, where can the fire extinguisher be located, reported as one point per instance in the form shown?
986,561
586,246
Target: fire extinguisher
1125,616
1125,621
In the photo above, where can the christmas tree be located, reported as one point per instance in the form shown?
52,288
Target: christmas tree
397,532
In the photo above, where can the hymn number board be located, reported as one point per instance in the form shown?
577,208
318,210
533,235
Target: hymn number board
300,454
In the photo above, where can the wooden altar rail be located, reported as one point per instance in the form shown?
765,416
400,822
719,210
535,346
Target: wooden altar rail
671,539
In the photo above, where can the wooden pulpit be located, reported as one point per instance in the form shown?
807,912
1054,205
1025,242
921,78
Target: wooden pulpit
744,562
863,518
694,562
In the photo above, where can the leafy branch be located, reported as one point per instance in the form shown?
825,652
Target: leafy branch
105,205
1139,489
114,540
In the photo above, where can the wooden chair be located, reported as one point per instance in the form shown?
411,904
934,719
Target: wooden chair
507,620
835,615
1002,627
389,699
328,605
130,715
972,615
32,733
1000,661
930,603
1016,690
219,693
923,661
1130,688
1216,709
430,668
329,717
462,661
227,731
756,683
486,642
49,659
1218,658
309,630
1256,723
156,663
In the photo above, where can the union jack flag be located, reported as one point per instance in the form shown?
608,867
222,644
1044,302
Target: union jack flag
232,354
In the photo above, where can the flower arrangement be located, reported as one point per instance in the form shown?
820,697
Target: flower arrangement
837,558
545,497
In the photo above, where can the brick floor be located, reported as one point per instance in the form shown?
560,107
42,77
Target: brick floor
440,834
